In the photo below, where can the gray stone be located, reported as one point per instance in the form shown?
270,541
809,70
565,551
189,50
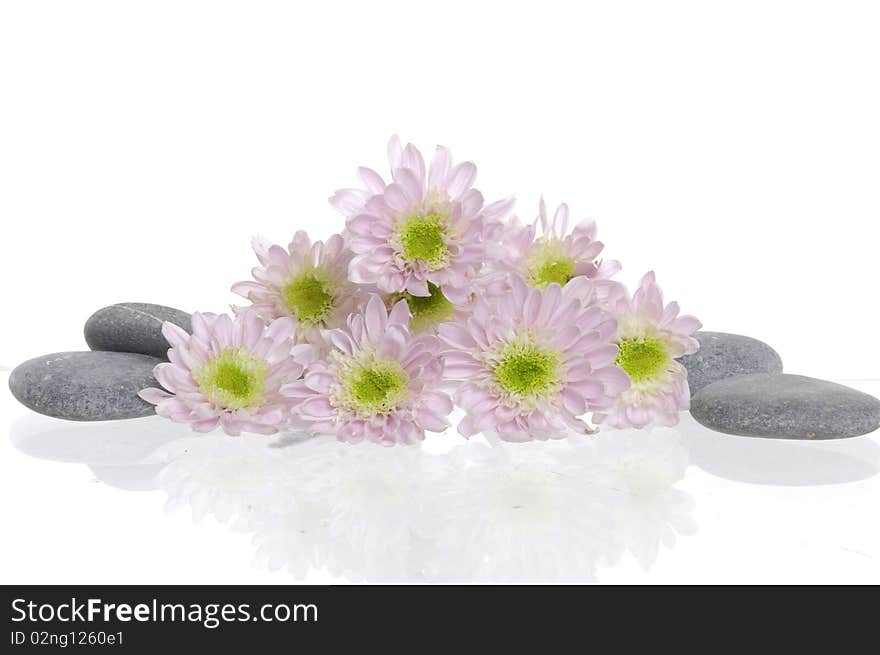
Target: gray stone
785,406
133,327
85,386
722,355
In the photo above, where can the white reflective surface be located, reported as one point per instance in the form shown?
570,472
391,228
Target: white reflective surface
620,507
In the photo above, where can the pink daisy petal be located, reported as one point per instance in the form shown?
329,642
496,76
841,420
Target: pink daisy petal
526,368
548,251
378,383
228,373
287,280
658,389
442,196
154,396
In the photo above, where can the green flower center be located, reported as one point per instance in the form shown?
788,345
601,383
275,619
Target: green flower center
642,358
374,387
309,296
548,264
524,369
421,238
426,310
234,379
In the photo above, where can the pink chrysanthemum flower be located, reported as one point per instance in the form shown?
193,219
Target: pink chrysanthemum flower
378,383
650,336
229,373
425,227
531,362
556,254
307,282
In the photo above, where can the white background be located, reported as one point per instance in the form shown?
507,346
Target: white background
734,148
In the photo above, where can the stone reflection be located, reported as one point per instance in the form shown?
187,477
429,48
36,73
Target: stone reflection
782,462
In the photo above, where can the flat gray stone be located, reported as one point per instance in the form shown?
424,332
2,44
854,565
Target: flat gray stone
133,327
722,355
85,386
785,406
